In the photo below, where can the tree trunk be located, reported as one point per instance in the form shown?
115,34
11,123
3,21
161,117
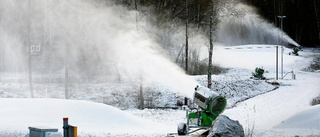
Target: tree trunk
66,88
198,15
187,35
29,52
136,8
140,95
210,49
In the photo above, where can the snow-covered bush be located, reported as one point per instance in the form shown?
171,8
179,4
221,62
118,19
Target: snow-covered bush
258,73
236,88
315,101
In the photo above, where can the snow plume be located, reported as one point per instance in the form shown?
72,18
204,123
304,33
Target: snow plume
240,24
11,43
93,38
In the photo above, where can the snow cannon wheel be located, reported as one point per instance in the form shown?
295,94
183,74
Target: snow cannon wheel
182,129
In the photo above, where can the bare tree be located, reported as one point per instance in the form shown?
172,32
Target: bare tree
210,50
213,25
187,35
29,51
66,89
140,94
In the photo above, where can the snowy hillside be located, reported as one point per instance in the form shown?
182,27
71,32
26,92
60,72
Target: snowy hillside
96,62
269,114
262,110
90,118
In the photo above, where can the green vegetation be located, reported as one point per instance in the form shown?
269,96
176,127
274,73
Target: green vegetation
258,73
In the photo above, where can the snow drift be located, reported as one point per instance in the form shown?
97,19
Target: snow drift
91,118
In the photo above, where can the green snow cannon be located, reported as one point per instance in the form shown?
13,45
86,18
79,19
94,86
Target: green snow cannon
211,104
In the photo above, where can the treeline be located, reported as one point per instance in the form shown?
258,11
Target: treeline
198,10
302,21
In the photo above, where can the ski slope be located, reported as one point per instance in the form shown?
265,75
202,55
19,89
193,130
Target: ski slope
285,111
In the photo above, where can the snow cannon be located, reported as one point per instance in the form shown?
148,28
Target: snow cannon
209,101
209,106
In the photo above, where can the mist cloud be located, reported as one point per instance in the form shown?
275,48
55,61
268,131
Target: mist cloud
93,38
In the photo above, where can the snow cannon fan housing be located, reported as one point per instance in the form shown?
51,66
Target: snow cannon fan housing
209,100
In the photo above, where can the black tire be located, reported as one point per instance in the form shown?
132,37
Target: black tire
182,129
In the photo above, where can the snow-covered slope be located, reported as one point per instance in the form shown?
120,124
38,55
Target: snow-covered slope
261,115
305,122
90,118
264,112
274,113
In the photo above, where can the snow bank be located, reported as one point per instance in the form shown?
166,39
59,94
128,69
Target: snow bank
91,118
303,123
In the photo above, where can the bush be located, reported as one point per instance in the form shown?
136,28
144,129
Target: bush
315,101
258,73
202,69
312,67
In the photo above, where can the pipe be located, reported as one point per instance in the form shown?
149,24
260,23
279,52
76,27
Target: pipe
293,75
65,127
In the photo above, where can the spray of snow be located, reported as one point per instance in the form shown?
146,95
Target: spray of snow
242,25
94,38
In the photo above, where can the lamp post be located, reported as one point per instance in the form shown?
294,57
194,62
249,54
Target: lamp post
281,26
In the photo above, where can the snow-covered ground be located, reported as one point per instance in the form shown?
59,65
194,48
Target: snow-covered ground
285,111
91,118
269,114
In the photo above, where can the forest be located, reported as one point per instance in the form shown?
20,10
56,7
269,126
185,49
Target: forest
301,21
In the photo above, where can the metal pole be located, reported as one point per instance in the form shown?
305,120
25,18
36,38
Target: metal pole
281,52
281,26
281,62
65,127
277,62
